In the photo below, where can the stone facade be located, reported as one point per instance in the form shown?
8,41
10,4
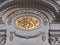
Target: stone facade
29,22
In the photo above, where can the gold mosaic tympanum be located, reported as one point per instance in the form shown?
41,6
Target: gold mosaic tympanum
27,22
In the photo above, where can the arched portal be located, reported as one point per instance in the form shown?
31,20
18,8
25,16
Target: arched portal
28,22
